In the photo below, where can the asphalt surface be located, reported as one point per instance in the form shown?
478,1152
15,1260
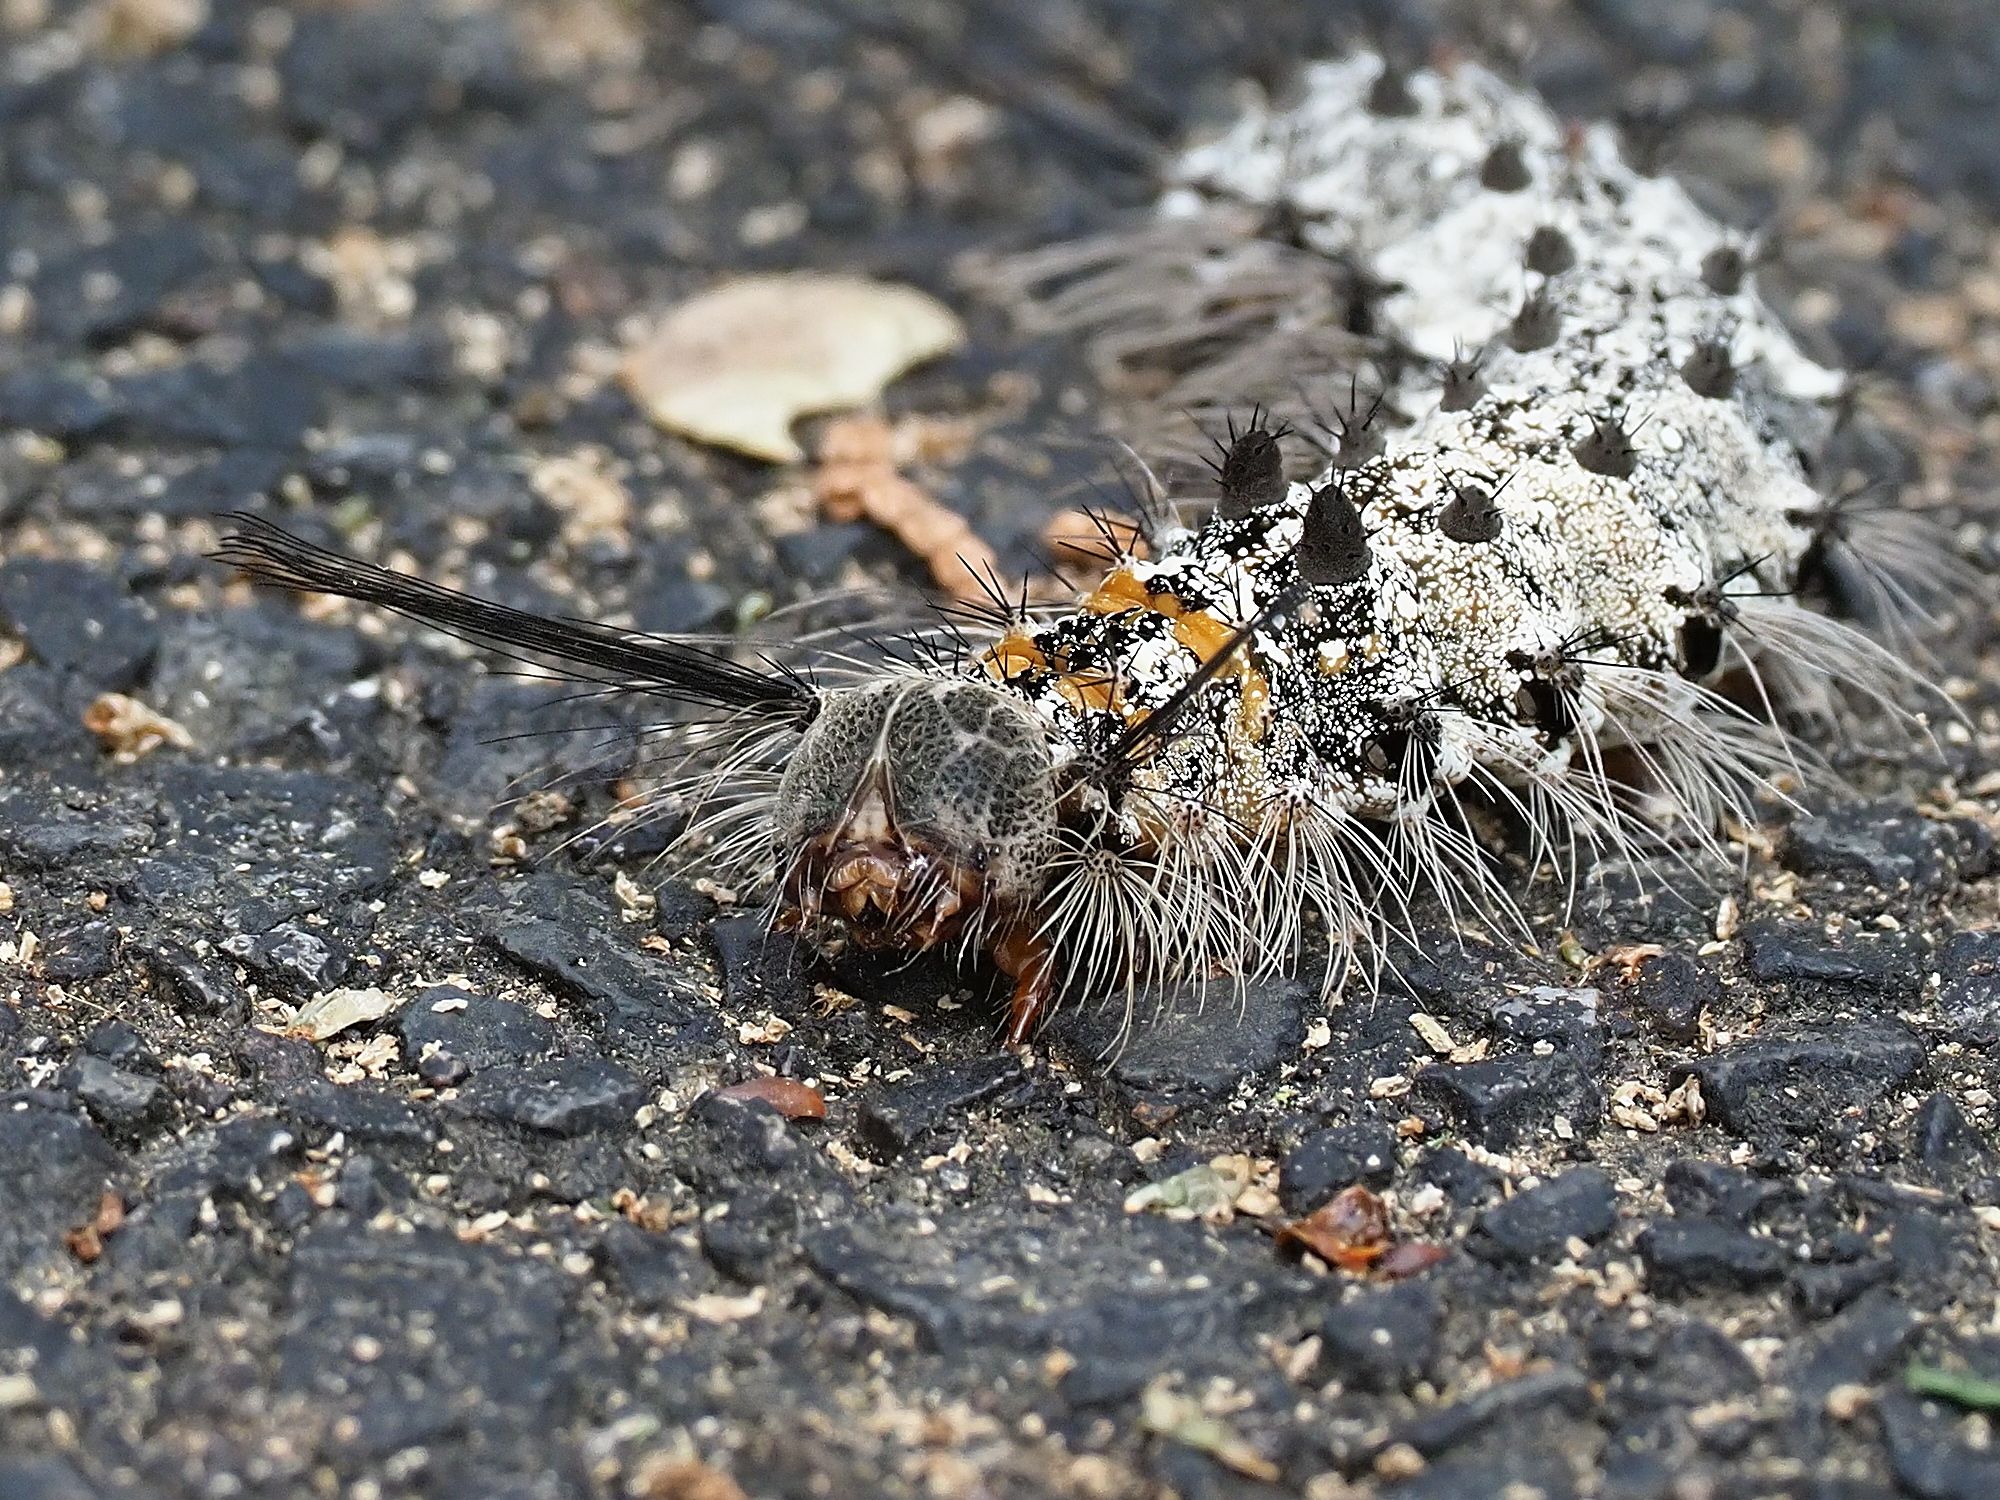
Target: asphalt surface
367,269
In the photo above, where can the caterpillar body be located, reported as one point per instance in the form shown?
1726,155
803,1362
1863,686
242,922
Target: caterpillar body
1558,578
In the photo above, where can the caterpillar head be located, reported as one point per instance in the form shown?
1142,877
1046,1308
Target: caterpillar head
913,808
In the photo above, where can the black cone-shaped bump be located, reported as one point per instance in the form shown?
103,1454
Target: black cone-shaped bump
1471,516
1252,473
1607,449
1334,547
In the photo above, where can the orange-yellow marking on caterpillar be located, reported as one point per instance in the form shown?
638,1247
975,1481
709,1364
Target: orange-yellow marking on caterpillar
1122,592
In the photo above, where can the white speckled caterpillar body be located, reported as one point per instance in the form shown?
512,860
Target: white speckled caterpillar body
1582,512
1597,509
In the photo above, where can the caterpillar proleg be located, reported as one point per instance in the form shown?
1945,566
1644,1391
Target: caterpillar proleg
1556,573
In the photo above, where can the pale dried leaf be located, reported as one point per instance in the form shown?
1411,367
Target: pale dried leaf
1207,1192
330,1014
1431,1029
720,1307
1173,1414
737,365
140,28
129,729
1684,1104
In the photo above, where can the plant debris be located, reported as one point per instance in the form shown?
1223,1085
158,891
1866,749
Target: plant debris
86,1242
789,1097
1350,1230
130,730
857,480
328,1015
1960,1387
666,1477
1179,1416
735,366
1216,1191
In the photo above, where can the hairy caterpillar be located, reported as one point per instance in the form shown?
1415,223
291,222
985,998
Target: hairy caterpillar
1520,587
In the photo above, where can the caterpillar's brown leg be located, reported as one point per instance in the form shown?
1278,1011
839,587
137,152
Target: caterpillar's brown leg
1025,957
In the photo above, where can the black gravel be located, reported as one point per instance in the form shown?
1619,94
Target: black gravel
362,267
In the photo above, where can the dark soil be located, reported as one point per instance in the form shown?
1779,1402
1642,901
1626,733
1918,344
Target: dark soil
366,268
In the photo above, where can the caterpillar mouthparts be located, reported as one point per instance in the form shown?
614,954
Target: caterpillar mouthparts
1555,573
920,812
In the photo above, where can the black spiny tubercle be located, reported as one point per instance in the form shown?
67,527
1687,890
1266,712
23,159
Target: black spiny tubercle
1353,437
1390,96
1333,545
1537,324
1250,467
1472,514
1710,613
1460,382
1723,269
1607,448
1549,251
1405,748
1505,169
1710,370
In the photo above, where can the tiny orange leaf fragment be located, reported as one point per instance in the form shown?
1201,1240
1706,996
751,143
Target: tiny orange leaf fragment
665,1477
1628,958
857,480
789,1097
86,1242
1350,1230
